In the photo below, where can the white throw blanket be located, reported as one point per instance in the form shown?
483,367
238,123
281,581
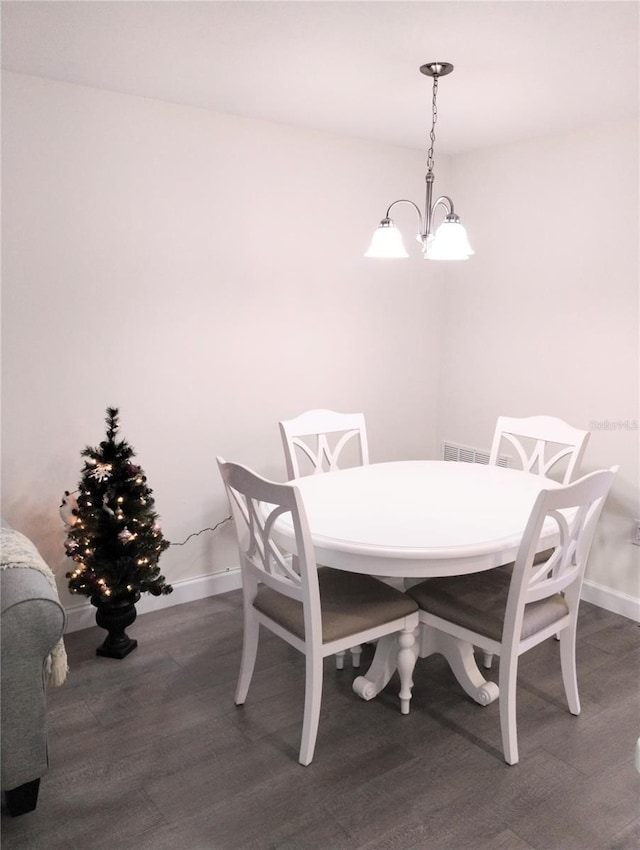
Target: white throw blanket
16,550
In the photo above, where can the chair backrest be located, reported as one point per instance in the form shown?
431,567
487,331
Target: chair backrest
574,509
256,504
318,449
550,441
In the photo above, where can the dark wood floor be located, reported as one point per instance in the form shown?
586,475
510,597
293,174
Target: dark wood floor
150,753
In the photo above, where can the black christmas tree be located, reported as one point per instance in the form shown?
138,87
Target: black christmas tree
113,534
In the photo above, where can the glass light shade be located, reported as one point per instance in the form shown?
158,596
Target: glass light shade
386,241
449,242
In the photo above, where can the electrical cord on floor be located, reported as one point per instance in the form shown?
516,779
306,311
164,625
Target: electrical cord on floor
196,533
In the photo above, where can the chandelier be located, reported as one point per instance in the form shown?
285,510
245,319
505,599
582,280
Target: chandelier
449,242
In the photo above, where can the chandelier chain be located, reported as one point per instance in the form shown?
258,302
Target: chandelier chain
434,118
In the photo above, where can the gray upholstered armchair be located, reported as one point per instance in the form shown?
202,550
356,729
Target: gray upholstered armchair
32,621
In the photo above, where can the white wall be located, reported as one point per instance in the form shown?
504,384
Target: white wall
204,273
549,323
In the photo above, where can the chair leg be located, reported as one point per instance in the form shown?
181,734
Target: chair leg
312,701
568,665
356,652
507,681
249,653
23,799
406,663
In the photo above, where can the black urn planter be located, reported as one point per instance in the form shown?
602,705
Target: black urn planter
116,615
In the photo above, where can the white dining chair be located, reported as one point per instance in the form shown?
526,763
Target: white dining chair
319,438
319,611
542,445
507,614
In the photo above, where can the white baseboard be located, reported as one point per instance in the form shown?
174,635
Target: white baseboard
84,616
611,600
189,590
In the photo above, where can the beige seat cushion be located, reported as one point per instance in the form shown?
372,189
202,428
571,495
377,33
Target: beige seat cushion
478,601
351,603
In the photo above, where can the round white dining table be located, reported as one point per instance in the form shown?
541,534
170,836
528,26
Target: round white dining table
417,519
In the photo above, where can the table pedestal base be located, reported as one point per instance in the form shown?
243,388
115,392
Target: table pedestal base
458,654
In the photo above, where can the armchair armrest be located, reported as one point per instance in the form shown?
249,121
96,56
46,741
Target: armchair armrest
31,622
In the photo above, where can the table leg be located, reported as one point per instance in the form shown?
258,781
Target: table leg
406,662
383,666
459,655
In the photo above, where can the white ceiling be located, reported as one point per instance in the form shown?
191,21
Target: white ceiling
522,69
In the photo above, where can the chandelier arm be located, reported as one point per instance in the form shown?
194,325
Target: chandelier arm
443,201
411,203
446,202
